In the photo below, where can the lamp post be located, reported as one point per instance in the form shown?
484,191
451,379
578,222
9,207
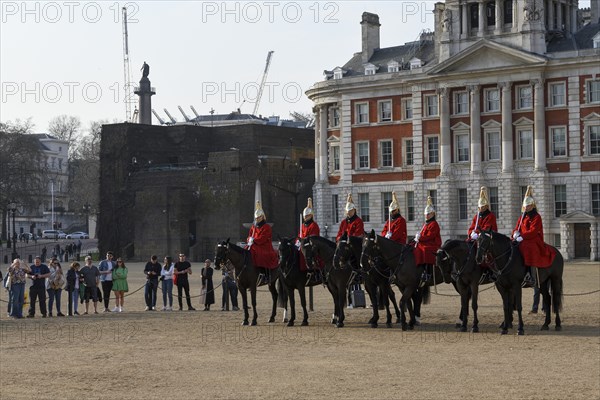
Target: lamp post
326,229
52,202
12,206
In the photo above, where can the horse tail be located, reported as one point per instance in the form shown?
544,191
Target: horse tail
282,297
426,293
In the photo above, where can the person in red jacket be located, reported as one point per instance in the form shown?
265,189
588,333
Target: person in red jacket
308,228
427,242
484,219
260,244
352,225
529,233
395,227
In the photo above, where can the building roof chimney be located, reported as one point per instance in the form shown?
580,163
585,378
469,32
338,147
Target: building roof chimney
370,35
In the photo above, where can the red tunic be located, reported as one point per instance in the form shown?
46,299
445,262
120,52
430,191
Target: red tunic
263,254
535,252
398,229
352,227
312,229
429,242
487,221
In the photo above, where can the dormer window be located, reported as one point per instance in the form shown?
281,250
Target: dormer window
415,63
393,66
370,69
338,73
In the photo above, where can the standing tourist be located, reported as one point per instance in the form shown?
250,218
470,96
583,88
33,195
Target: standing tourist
152,271
17,273
91,278
54,285
106,267
38,274
166,276
73,288
182,269
119,276
207,285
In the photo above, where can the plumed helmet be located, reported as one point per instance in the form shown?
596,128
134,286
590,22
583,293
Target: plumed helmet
349,204
258,211
309,208
483,197
429,207
394,204
528,199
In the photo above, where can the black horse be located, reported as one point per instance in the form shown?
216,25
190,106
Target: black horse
506,261
404,273
246,276
338,280
293,278
457,257
376,277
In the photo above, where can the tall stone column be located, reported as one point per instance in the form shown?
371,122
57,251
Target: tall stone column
539,118
322,150
499,17
550,14
465,22
507,128
482,19
475,155
559,16
445,141
594,241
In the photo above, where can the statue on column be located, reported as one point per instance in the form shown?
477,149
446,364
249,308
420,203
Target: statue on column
145,70
447,20
531,12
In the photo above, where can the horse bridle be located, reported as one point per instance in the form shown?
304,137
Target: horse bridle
489,253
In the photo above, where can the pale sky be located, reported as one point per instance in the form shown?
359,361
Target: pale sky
67,57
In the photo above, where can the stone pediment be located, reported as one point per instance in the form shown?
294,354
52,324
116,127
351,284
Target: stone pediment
578,216
486,55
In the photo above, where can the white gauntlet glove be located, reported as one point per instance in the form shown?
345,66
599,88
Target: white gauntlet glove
417,237
474,235
297,244
250,241
519,239
516,235
388,235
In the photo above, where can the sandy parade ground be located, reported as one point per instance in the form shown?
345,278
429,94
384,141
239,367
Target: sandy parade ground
209,355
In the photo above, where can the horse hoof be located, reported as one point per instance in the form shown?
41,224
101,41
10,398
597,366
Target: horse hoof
475,329
304,323
504,332
370,321
389,324
404,327
373,324
339,325
291,323
411,327
333,321
544,328
463,328
245,323
253,323
271,320
285,320
558,328
457,325
520,332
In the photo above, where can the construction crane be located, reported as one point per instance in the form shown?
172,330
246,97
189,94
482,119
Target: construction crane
162,121
187,119
194,111
262,83
127,87
173,120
